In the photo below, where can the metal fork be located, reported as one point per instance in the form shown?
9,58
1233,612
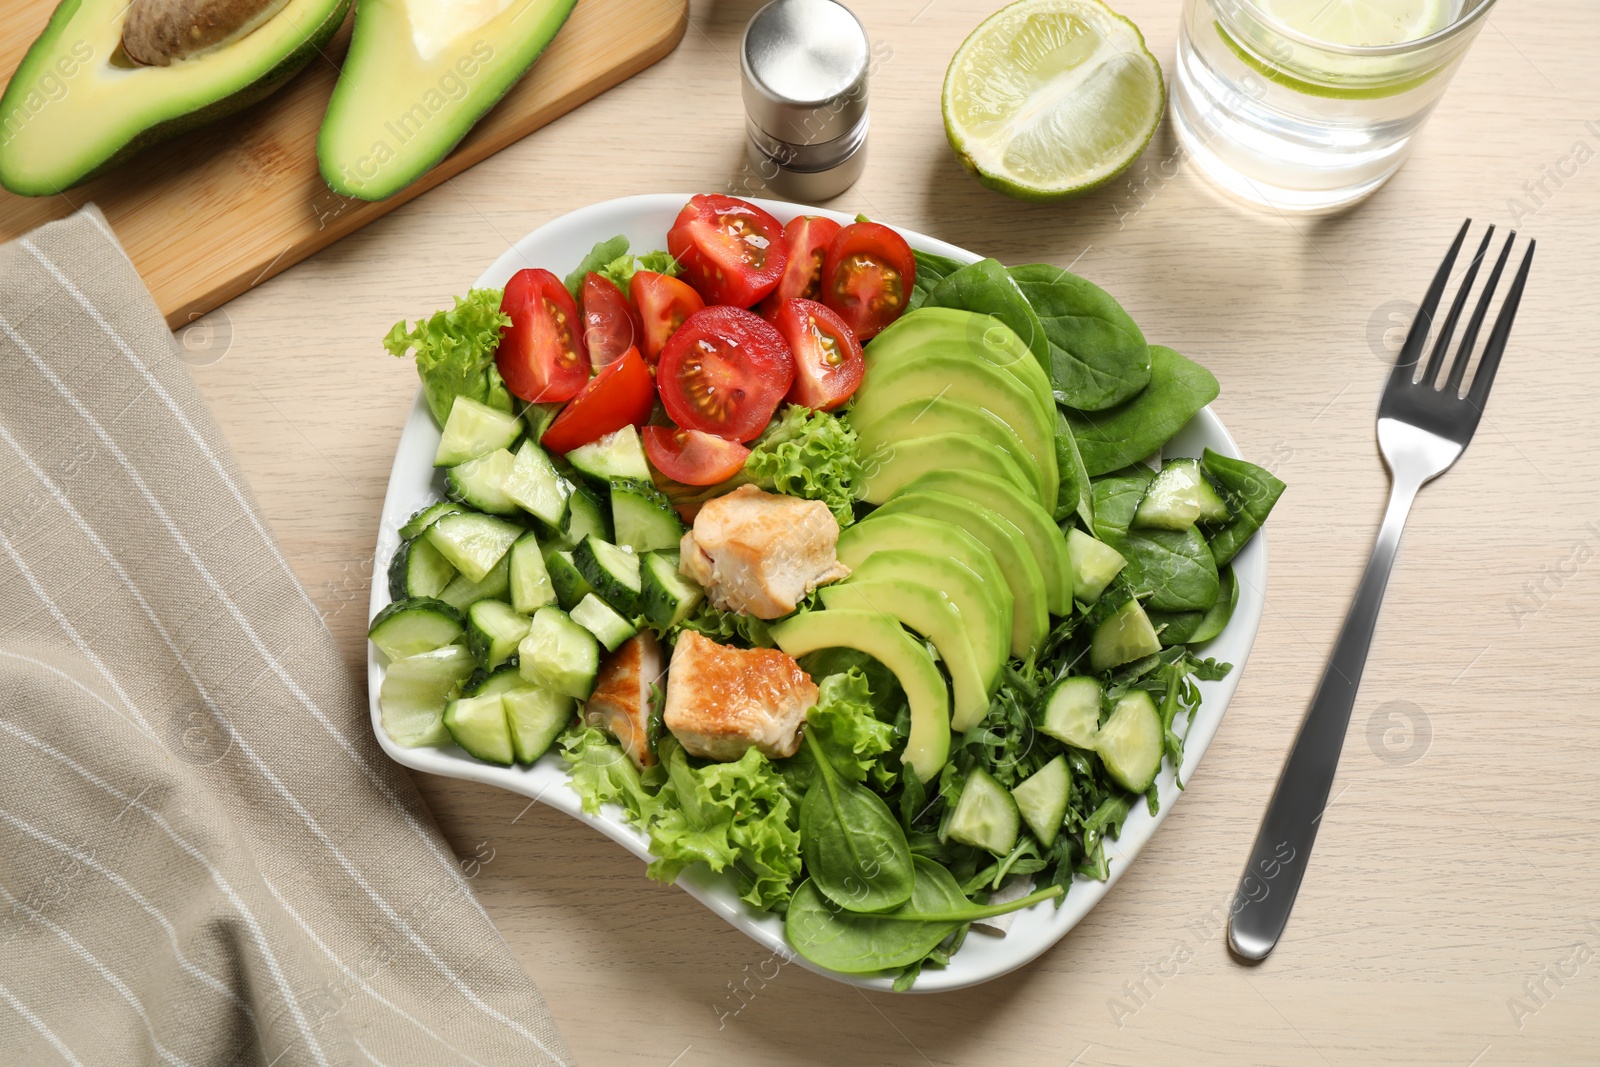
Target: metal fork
1422,431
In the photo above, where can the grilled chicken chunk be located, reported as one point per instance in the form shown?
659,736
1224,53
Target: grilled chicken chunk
620,703
721,700
760,553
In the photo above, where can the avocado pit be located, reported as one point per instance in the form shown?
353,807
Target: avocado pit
158,33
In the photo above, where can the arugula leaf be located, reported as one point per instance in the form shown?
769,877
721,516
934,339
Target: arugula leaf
1098,356
455,352
809,454
1116,437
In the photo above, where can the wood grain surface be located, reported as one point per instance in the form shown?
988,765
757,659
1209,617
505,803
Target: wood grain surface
1450,915
209,215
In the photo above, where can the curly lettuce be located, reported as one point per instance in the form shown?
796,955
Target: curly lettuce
852,737
610,260
809,454
455,351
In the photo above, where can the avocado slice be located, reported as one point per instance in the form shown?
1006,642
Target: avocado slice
881,637
79,103
886,471
907,540
1045,540
916,419
419,75
930,329
1030,619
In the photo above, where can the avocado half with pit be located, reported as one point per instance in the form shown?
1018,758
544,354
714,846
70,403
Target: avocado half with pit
107,78
419,76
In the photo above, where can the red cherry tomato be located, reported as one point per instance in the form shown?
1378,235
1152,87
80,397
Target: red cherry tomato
541,354
731,251
809,237
664,303
724,372
610,325
622,394
868,274
827,357
692,457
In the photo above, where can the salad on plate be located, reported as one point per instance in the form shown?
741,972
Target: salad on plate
851,571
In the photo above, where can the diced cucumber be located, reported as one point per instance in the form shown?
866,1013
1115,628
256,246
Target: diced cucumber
536,718
474,430
600,619
414,693
536,488
985,816
479,483
418,569
559,654
463,592
1122,637
1072,712
473,543
666,597
585,516
502,679
613,573
494,630
415,625
616,456
539,417
1130,742
1094,564
1042,800
569,585
643,517
478,725
1180,496
425,518
530,581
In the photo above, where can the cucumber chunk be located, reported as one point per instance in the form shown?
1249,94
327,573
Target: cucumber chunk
463,592
643,518
1122,637
479,483
530,579
502,679
473,543
1042,800
618,456
425,518
585,517
1072,712
986,816
600,619
536,718
536,488
666,597
472,430
414,693
1180,496
418,569
1094,564
559,654
570,586
1130,742
478,725
415,625
613,572
494,630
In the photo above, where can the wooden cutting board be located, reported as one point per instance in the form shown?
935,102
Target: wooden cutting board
215,212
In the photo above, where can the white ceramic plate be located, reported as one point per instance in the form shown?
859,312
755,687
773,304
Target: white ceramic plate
644,220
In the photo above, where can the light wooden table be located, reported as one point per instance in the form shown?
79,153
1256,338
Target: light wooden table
1456,875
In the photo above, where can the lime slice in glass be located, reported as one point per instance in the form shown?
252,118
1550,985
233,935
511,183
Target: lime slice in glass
1049,99
1360,22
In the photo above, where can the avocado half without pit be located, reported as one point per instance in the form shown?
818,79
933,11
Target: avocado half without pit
107,78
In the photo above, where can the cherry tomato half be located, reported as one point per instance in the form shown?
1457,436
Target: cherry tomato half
827,357
732,252
610,325
868,274
541,354
724,372
809,237
622,394
664,303
692,457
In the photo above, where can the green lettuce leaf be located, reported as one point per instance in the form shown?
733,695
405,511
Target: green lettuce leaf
455,350
852,736
809,454
610,260
599,256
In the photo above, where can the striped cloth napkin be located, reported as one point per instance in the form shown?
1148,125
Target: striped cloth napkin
204,857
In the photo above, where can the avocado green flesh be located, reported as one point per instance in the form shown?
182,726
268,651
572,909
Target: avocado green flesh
927,329
77,105
1044,537
881,637
1030,619
419,75
910,459
917,419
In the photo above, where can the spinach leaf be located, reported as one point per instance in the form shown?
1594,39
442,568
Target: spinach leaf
853,845
1176,571
1176,627
1132,430
932,269
1252,492
1215,619
1116,498
1098,356
1075,494
600,255
986,288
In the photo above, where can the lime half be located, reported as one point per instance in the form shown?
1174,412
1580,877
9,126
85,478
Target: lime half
1049,99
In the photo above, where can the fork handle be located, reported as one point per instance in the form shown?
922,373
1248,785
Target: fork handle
1271,879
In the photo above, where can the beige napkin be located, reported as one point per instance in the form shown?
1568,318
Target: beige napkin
204,856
